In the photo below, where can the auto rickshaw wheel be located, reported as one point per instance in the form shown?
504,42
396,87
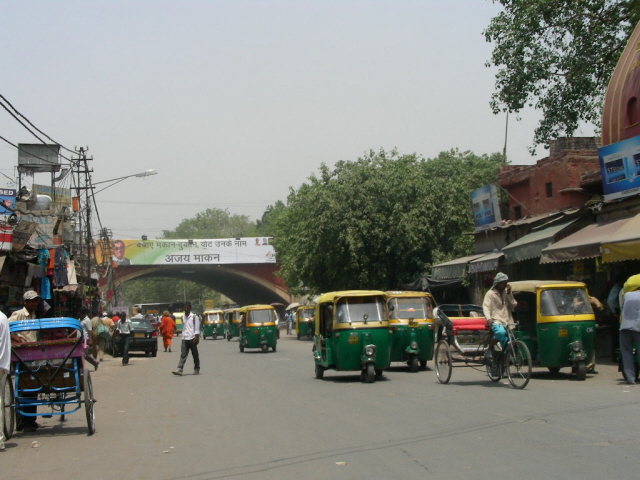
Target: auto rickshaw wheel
319,371
273,348
215,336
264,348
581,371
298,336
241,348
369,373
414,364
378,372
88,403
554,370
9,410
443,360
423,364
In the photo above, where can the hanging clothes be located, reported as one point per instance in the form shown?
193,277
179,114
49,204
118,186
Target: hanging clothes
60,278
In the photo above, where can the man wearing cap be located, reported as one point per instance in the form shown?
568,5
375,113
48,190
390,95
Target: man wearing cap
31,300
497,307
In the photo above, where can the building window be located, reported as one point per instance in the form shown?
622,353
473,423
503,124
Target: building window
517,212
549,188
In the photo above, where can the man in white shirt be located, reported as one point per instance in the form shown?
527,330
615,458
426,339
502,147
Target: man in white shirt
497,307
5,365
190,339
123,327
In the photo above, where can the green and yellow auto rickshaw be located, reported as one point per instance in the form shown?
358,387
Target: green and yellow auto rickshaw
213,324
556,322
411,326
257,327
232,323
177,316
352,333
304,320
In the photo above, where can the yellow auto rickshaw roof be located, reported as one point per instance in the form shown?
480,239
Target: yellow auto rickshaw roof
534,285
632,283
333,296
407,294
256,307
305,307
215,310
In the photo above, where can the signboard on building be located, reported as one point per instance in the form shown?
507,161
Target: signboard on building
620,168
36,157
485,207
191,252
22,233
60,196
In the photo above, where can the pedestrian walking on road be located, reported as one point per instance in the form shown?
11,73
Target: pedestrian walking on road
124,327
630,334
167,329
190,339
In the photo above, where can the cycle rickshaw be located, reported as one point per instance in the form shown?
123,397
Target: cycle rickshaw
49,373
464,337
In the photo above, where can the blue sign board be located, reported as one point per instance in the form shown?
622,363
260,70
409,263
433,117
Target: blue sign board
620,168
484,207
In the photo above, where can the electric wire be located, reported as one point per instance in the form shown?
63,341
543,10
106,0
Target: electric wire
30,123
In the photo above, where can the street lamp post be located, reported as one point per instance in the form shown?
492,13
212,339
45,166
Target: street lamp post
117,180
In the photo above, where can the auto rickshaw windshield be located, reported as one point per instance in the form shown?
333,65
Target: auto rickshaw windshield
306,313
570,301
262,316
212,317
357,309
406,308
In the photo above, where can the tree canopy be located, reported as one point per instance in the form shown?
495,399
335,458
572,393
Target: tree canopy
213,223
378,221
557,56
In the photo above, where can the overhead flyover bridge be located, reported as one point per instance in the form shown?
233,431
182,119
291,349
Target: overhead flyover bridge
243,269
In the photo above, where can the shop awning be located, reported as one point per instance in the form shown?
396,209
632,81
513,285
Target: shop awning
584,243
624,244
531,245
485,263
453,268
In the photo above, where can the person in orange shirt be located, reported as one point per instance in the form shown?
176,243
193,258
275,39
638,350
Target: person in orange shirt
167,327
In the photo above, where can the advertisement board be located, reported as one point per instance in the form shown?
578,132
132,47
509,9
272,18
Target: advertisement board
191,252
620,168
485,207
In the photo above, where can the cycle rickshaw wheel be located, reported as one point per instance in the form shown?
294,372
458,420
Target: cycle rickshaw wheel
518,364
7,405
443,361
89,403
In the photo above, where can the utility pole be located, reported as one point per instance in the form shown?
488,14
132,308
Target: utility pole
84,249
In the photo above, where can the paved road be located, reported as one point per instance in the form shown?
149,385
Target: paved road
265,416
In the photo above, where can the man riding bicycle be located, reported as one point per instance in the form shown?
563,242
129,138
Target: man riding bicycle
497,307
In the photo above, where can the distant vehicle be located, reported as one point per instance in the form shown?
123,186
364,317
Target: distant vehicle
144,338
177,316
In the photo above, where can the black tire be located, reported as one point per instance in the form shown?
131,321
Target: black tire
264,348
423,364
554,370
319,371
241,348
274,348
369,373
581,371
215,336
518,364
154,353
88,403
494,370
224,335
9,410
414,364
298,336
228,338
378,372
443,361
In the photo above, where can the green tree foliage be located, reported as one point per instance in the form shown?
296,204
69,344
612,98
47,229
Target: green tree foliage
378,221
213,223
266,224
557,56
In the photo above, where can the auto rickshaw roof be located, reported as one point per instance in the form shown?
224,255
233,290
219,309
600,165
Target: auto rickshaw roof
534,285
333,296
215,310
406,293
306,307
256,307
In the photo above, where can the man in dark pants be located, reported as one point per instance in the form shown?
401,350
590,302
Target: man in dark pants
190,339
123,327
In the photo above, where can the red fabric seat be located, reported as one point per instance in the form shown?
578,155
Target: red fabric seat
468,323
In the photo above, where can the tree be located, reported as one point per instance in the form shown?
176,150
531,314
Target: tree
557,56
266,224
213,223
379,221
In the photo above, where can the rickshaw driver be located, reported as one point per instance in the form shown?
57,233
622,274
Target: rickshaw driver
497,307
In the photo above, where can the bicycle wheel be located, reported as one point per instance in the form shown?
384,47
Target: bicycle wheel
518,364
88,403
442,360
9,410
493,367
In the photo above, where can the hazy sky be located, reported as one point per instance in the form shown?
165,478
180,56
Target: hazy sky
235,101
